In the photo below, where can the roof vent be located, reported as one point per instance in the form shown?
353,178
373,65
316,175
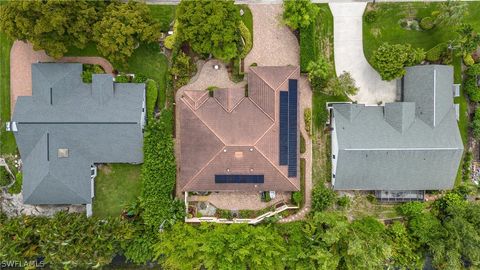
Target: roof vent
62,152
238,154
251,149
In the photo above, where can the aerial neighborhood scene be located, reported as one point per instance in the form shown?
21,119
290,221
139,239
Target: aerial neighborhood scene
223,134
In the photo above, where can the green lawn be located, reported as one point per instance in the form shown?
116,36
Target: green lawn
116,186
7,141
387,28
317,39
163,14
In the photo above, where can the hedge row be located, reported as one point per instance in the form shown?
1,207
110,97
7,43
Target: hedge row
159,173
152,95
308,46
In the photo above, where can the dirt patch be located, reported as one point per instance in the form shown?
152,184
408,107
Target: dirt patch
105,169
376,32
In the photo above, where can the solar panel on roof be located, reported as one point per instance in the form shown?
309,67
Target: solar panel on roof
292,127
283,142
239,178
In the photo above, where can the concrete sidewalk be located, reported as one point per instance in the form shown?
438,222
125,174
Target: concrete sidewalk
348,48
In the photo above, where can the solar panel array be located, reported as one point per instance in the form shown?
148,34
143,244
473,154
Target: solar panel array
239,179
283,128
288,127
292,127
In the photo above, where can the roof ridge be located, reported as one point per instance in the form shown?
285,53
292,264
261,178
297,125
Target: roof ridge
264,112
203,168
263,80
287,78
275,166
199,118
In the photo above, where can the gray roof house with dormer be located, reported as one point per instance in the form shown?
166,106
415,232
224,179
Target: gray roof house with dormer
410,145
66,126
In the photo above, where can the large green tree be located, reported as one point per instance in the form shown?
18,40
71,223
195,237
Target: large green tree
299,14
341,85
451,12
210,27
51,25
390,60
122,28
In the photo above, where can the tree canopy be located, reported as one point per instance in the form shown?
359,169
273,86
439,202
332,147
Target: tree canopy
210,27
50,25
341,85
122,28
298,14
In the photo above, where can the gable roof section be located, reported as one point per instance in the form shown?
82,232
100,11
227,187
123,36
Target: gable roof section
97,123
394,147
230,133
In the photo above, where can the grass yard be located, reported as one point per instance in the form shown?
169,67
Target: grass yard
317,39
386,28
116,186
164,14
7,141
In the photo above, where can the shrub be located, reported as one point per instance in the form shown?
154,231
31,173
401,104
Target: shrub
171,40
434,54
322,197
308,47
16,188
473,70
476,124
467,162
410,209
89,70
471,88
152,95
182,68
247,38
307,115
319,70
390,60
139,78
371,198
343,201
468,60
5,177
122,79
302,144
87,76
297,198
427,23
371,16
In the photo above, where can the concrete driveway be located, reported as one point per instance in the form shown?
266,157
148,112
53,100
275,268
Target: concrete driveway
348,47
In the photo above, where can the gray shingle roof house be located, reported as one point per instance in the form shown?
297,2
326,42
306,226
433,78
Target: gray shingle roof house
66,126
232,142
410,145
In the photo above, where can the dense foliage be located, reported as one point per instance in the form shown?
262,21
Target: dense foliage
209,27
451,12
122,28
470,83
66,240
247,39
322,197
476,124
152,96
341,85
182,69
55,26
158,174
308,46
390,60
50,25
237,246
299,14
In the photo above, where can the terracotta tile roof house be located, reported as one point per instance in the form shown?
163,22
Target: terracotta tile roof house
234,141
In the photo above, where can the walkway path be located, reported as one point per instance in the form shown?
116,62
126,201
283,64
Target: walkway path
273,43
22,56
348,47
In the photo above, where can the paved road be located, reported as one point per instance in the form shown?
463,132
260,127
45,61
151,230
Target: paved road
348,48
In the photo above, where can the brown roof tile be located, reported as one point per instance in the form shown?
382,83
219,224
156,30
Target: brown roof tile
232,134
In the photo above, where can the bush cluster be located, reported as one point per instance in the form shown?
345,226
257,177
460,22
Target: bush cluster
427,23
89,70
159,174
470,83
322,197
247,39
307,115
152,96
390,60
435,53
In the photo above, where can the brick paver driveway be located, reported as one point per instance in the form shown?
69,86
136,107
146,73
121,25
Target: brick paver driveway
22,56
273,43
